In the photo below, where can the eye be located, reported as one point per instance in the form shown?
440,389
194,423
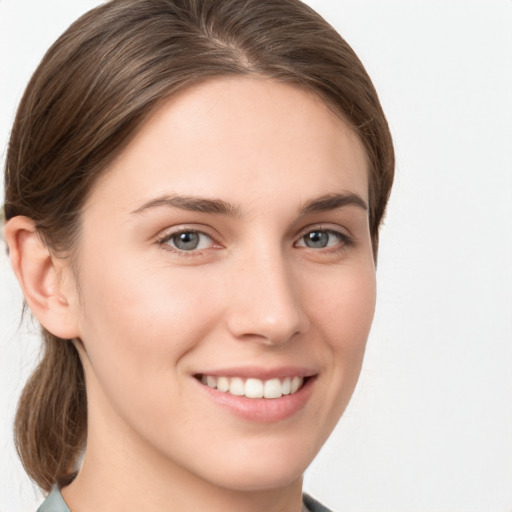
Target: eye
187,241
322,239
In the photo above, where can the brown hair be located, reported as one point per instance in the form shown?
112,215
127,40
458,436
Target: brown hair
93,89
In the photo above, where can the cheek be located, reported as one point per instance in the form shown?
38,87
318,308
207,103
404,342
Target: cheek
345,307
341,308
137,323
139,303
344,316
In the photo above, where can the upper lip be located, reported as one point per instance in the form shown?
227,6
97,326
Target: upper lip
261,373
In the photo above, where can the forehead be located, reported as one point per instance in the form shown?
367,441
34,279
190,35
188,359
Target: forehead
271,138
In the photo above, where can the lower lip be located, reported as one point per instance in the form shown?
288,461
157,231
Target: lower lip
264,410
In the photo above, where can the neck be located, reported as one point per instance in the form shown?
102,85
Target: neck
105,488
120,473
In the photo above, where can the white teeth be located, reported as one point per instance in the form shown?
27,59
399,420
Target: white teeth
272,388
222,384
287,382
254,388
237,386
296,384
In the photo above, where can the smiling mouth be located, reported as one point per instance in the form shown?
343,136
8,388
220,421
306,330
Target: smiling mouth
254,388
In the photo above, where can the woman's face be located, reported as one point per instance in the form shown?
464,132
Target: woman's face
226,254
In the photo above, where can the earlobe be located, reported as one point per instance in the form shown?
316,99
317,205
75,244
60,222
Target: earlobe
40,278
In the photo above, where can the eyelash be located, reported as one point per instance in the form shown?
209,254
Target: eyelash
345,241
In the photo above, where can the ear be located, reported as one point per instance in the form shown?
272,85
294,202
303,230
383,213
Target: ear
41,278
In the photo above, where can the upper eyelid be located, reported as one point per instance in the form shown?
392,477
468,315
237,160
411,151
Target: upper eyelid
333,228
176,230
170,234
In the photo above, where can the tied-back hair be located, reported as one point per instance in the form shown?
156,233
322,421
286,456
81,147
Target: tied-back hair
88,98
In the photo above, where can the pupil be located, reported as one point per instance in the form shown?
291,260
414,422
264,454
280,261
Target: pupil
317,239
186,241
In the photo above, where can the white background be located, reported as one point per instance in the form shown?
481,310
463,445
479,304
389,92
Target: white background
430,425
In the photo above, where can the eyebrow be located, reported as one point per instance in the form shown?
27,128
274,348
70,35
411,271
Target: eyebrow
219,207
332,202
193,204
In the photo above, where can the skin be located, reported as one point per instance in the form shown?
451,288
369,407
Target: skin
253,295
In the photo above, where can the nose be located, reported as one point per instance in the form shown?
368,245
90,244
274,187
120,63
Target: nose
265,304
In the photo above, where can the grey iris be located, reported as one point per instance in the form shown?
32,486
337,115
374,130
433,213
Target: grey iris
186,241
316,239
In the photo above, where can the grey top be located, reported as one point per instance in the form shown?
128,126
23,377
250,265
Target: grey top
55,503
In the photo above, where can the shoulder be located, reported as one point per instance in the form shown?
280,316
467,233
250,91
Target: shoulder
311,505
54,503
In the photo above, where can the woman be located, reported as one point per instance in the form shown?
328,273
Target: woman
194,190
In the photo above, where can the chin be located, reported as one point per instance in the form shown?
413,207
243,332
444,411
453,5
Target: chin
254,479
272,467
